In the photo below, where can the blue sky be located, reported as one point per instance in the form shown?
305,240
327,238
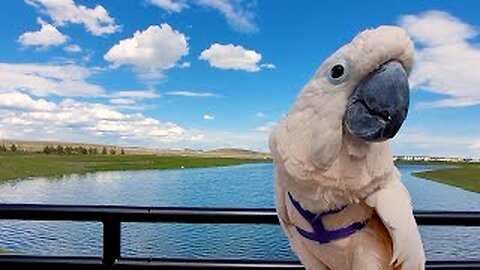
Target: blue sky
219,73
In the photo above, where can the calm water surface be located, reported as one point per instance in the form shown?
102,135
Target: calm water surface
238,186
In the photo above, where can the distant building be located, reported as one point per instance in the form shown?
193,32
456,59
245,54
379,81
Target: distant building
431,158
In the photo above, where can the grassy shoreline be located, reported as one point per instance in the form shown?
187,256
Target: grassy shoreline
458,174
20,166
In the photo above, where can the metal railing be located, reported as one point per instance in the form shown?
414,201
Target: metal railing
112,216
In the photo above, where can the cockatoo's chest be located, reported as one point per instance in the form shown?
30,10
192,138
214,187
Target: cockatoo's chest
320,193
337,253
330,225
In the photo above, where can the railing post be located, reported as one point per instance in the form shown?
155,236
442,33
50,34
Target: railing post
111,242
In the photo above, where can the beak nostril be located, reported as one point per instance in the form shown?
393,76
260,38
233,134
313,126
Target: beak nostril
386,116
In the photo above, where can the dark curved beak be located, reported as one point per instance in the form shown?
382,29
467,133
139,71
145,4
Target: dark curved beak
379,105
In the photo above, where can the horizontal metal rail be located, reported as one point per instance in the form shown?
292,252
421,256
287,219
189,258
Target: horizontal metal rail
195,215
113,216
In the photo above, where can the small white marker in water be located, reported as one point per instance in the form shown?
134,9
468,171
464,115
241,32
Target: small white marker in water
183,167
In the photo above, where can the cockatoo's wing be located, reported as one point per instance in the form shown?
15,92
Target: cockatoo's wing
393,205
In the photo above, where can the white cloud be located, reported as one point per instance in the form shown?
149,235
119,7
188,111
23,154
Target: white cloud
137,94
150,52
238,14
268,66
122,101
96,20
208,117
47,36
268,127
184,65
239,17
73,48
419,142
447,61
475,145
190,94
17,100
209,139
25,117
46,79
450,102
437,28
170,5
69,118
232,57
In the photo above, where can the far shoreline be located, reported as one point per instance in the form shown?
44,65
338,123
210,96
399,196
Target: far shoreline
464,175
20,166
26,165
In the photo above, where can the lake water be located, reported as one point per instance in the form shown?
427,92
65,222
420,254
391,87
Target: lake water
237,186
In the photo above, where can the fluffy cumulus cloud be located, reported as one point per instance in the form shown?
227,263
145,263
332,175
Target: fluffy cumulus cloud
45,79
69,118
447,58
150,52
18,100
47,36
26,117
238,13
233,57
96,20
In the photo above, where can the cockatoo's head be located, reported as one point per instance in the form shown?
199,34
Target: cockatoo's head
357,99
372,71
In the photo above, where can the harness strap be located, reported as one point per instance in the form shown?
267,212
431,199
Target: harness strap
320,234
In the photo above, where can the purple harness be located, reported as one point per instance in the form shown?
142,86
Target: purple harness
320,234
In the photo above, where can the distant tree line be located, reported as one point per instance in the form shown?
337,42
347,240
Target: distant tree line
79,150
13,148
66,150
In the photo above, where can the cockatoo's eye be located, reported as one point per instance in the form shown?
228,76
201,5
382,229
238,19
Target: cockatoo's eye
338,72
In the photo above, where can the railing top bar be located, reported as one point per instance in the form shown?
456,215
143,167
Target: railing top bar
192,215
137,214
123,208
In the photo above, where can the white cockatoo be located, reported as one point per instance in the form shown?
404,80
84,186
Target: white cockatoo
339,197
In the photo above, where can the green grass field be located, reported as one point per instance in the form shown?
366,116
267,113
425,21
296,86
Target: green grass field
462,175
18,166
